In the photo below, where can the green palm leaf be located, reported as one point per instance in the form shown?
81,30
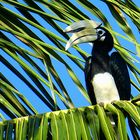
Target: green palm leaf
31,33
75,123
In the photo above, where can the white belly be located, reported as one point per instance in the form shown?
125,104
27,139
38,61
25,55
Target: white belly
105,88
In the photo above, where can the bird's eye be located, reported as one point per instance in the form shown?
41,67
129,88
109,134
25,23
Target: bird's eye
100,32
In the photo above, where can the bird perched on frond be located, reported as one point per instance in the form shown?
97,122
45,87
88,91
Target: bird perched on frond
107,78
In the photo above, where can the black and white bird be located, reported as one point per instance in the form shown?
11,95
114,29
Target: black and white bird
107,78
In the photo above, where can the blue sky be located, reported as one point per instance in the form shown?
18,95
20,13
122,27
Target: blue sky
76,96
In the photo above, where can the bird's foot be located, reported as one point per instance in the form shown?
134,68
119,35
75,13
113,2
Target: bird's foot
101,104
113,101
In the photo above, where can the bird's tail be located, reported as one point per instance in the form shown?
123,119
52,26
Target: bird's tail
109,114
113,120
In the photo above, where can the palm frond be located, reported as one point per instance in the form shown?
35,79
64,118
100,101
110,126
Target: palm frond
32,35
32,42
80,123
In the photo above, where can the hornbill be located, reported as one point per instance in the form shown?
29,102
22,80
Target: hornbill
107,78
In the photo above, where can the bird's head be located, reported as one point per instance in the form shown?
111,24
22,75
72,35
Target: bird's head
89,31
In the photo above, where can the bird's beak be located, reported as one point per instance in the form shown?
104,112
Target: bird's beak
83,31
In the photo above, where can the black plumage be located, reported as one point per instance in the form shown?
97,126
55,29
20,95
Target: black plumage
121,76
101,62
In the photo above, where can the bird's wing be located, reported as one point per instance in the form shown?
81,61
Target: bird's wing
121,76
88,79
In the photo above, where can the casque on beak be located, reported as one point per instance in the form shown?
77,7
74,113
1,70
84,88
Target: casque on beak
83,31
